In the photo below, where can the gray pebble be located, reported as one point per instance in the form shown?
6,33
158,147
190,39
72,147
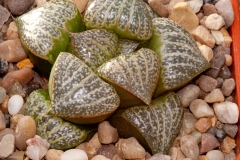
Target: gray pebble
2,94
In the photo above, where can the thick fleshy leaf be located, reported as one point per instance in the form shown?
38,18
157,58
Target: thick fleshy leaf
134,76
129,19
155,126
58,132
95,46
126,46
179,55
43,31
79,95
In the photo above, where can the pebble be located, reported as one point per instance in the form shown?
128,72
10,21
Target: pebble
7,146
37,147
206,52
229,60
104,128
2,94
4,15
220,82
131,148
90,151
94,142
220,134
74,154
24,63
226,112
227,37
218,37
230,156
40,2
214,22
12,51
159,156
23,76
195,5
203,124
228,86
197,136
15,103
224,8
189,147
53,154
19,7
109,151
207,83
217,63
214,96
12,32
215,155
202,157
25,129
209,9
183,14
231,129
227,144
201,109
188,94
225,72
100,157
212,131
159,8
202,35
188,123
208,143
2,121
17,155
3,67
176,153
16,89
5,132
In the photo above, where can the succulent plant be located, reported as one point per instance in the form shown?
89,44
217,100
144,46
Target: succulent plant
59,133
133,75
43,31
95,46
155,126
126,46
179,55
78,94
128,19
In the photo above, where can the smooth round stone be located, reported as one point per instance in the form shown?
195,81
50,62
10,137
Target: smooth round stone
2,94
74,154
15,103
226,112
215,154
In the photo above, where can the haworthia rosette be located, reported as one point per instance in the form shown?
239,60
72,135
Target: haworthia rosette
43,30
59,133
78,94
134,76
155,126
179,55
95,46
128,18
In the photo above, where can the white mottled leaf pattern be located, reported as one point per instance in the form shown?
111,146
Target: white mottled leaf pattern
76,92
95,46
136,72
180,57
127,18
59,133
155,126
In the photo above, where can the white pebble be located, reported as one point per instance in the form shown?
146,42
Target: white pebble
74,154
15,103
215,154
226,112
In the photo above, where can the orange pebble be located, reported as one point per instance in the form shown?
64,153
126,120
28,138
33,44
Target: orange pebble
25,63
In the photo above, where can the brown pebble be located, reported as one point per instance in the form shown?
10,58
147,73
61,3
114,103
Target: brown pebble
25,129
207,83
14,120
23,76
203,124
106,133
209,9
208,143
53,154
227,144
5,132
158,7
4,105
228,87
